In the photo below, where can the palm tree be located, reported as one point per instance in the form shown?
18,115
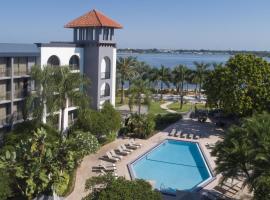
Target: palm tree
67,88
201,69
161,76
142,70
125,70
244,154
39,99
179,74
139,93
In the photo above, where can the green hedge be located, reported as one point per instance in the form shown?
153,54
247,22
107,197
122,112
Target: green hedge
162,121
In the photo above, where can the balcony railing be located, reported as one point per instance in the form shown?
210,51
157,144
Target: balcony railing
105,93
21,72
17,116
105,75
20,93
5,96
4,120
5,72
74,67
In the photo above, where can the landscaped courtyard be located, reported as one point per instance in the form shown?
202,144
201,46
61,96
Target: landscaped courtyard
209,133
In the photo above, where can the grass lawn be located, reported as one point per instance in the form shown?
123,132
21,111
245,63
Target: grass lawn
156,109
186,107
118,100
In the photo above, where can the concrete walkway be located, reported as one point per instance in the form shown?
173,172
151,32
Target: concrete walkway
165,107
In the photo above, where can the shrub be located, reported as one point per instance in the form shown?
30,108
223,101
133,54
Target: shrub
113,118
5,185
83,143
101,124
61,185
26,129
162,121
140,126
119,189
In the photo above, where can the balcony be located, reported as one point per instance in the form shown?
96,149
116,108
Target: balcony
105,93
5,96
17,116
18,94
5,120
105,75
5,72
21,73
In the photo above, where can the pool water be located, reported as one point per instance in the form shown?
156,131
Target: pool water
173,165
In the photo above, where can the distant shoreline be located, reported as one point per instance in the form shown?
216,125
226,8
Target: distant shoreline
199,52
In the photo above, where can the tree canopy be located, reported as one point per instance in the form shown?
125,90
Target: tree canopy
241,87
119,189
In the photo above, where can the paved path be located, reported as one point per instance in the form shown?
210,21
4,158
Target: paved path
165,107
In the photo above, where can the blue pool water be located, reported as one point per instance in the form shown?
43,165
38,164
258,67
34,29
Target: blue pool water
173,165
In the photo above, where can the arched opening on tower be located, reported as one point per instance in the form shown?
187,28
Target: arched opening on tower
106,68
105,90
74,62
53,61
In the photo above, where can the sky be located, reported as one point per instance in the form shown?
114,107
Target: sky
167,24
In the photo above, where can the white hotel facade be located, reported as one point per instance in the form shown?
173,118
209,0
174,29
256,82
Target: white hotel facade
92,52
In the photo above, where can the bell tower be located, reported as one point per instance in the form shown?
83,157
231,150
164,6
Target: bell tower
96,34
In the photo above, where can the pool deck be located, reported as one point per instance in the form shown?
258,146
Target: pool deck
209,134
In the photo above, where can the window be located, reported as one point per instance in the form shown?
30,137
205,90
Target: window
74,63
105,34
105,90
106,68
53,61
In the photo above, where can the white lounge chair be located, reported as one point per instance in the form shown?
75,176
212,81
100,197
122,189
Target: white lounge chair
210,145
135,144
115,155
177,134
190,136
102,172
183,135
196,137
173,131
131,146
125,148
122,152
111,158
105,168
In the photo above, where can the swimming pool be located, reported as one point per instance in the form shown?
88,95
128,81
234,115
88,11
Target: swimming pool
173,165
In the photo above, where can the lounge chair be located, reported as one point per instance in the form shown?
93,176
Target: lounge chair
196,137
183,135
108,168
122,152
210,145
190,136
177,134
125,148
102,172
135,144
111,158
213,195
131,146
173,131
115,155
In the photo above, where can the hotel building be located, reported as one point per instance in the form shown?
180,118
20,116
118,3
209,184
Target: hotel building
92,52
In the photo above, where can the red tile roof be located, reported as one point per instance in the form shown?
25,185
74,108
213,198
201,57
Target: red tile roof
93,19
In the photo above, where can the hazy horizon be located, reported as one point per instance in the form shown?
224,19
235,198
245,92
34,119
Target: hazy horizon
174,24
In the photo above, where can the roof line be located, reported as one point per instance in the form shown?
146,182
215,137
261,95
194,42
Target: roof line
97,17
